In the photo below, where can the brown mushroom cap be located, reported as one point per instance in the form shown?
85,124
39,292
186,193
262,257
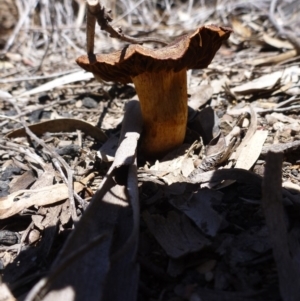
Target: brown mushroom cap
192,51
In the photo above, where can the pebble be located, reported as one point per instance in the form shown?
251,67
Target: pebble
89,103
33,236
294,172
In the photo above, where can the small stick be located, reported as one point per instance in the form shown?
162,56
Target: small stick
281,31
286,259
103,19
81,11
30,6
90,26
54,157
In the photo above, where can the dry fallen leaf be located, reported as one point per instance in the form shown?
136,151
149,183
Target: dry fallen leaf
250,132
22,199
200,95
6,65
272,82
251,151
273,59
58,82
108,150
61,125
175,233
22,182
263,83
280,44
198,207
240,29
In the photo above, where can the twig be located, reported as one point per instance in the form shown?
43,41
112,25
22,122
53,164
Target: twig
24,235
278,109
26,152
38,107
288,101
69,182
285,148
103,19
272,17
54,157
128,12
81,11
286,261
25,112
29,78
45,35
90,29
31,5
281,31
71,43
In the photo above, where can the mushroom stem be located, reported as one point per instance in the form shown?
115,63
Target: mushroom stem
163,100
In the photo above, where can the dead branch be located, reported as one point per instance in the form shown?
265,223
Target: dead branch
90,29
94,8
288,268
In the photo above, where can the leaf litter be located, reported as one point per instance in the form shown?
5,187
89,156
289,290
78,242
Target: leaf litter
218,216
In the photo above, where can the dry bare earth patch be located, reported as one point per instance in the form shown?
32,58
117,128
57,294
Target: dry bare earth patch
85,217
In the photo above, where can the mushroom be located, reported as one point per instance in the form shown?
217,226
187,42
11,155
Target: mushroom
160,79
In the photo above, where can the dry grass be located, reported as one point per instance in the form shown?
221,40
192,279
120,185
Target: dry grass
55,30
